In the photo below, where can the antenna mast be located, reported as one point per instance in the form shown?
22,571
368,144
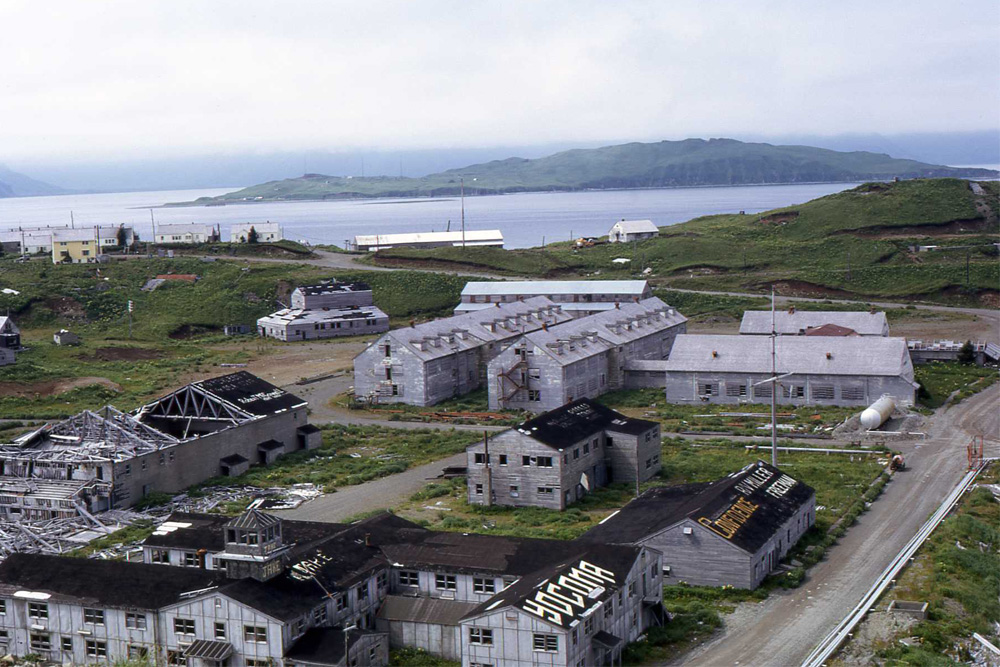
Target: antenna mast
462,179
774,386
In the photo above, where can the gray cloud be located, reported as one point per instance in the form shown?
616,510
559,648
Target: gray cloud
127,79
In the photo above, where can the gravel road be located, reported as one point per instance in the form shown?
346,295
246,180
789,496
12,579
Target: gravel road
783,629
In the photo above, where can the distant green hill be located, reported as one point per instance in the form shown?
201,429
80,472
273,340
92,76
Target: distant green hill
692,162
861,242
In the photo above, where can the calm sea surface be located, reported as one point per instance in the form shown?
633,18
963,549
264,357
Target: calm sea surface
525,219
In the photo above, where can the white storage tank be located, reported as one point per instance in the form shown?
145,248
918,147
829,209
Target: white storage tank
876,414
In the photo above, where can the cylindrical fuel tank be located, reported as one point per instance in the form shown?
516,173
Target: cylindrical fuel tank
876,414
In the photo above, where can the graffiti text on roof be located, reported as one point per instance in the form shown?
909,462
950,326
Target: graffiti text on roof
569,594
732,519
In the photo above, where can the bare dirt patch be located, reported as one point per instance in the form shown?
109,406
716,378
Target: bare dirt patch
53,387
954,228
807,289
282,364
779,218
67,307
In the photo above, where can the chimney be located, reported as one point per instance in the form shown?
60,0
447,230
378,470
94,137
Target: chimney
545,326
618,305
829,355
791,310
715,354
497,304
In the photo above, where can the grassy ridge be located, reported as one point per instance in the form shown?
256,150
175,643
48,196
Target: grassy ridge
856,242
691,162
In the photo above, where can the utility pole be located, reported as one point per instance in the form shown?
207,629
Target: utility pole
774,386
462,180
72,223
153,222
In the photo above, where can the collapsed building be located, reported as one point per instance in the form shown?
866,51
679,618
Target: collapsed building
585,358
105,459
256,590
427,363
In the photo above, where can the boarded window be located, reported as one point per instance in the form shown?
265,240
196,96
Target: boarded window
762,391
708,388
736,390
823,392
852,393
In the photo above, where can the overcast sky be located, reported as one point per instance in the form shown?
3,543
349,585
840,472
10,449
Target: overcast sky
85,80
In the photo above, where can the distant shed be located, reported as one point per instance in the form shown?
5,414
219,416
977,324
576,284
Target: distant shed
624,231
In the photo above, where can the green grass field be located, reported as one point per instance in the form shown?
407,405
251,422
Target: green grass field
855,242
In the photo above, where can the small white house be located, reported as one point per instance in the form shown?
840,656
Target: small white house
624,231
185,234
267,232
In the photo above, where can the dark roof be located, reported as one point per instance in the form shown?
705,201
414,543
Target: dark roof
233,459
250,393
615,560
606,639
322,646
775,497
830,330
579,420
282,598
424,610
207,532
110,583
308,428
270,445
474,553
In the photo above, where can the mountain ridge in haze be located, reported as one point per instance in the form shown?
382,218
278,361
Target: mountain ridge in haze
15,184
686,163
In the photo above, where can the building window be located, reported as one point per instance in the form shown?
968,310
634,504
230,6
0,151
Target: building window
526,460
3,607
503,459
543,642
177,659
534,395
762,391
708,388
409,578
631,590
545,490
793,391
479,458
736,390
220,631
852,393
515,491
96,649
183,626
576,453
190,559
649,463
483,585
135,621
138,652
66,644
255,633
159,556
586,448
363,592
40,642
544,461
445,582
38,610
479,489
94,616
588,626
341,602
609,608
481,636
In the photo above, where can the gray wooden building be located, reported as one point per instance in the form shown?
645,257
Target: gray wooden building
557,458
794,322
582,359
430,362
815,370
731,532
625,231
331,294
256,590
294,325
577,297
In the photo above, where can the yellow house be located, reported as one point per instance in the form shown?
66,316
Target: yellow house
75,246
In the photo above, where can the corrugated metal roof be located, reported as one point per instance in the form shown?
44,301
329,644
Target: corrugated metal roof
849,355
636,226
388,240
206,649
548,287
796,322
440,338
584,337
424,610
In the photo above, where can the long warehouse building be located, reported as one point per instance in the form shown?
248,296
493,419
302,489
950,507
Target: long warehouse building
579,298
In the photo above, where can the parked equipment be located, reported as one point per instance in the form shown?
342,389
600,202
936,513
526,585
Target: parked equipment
897,463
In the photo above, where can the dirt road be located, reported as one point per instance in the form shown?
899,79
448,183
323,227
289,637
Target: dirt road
380,493
783,629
